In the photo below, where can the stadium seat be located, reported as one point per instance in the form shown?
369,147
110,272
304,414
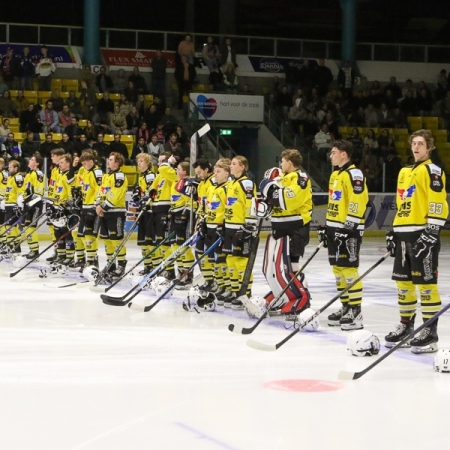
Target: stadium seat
43,96
70,85
13,93
56,137
131,173
416,123
431,123
198,88
108,137
82,123
114,97
20,137
56,84
64,95
148,100
31,96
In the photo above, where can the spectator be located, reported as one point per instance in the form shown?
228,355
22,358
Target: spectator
4,130
393,166
399,118
82,143
297,115
339,116
374,98
186,49
45,68
292,77
118,122
358,118
139,147
424,103
87,76
385,143
102,148
445,110
275,87
105,104
299,94
8,68
131,93
155,149
408,86
322,77
408,105
143,132
47,146
371,116
88,99
160,132
283,102
357,142
120,82
323,142
30,146
423,86
385,118
103,82
133,121
49,119
101,121
310,128
74,105
65,118
152,117
394,88
57,101
66,144
211,54
73,130
173,147
159,66
20,103
160,105
7,106
29,120
11,149
306,76
139,83
120,147
141,105
124,105
359,101
246,90
26,69
90,131
389,99
216,80
169,120
184,75
441,88
228,53
369,166
371,140
376,88
346,80
332,125
181,136
3,86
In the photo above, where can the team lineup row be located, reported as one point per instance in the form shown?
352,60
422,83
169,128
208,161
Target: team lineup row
221,207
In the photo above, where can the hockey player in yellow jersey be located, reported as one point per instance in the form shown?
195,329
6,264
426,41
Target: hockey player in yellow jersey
239,229
15,187
3,181
141,197
347,203
161,190
34,184
111,207
422,211
90,181
289,193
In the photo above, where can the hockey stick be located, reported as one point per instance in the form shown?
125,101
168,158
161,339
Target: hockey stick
345,375
17,222
119,301
271,347
175,282
13,274
153,250
250,330
113,257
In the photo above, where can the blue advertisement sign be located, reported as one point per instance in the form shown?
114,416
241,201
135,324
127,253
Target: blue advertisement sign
60,55
276,65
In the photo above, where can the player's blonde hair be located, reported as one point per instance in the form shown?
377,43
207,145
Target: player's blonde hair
146,158
224,163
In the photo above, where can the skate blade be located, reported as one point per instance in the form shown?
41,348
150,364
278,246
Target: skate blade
431,348
393,344
352,327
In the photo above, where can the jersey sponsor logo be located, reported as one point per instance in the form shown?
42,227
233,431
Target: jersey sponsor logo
335,195
175,198
231,201
8,189
214,205
406,193
86,186
105,189
59,189
160,185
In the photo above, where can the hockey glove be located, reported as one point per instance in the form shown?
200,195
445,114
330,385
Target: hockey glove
260,208
246,232
144,204
136,195
267,188
322,235
201,226
424,245
391,242
219,231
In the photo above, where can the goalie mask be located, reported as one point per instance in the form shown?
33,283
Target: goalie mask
160,285
442,361
306,315
363,343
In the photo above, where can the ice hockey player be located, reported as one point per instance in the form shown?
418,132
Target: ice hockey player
347,202
422,211
289,193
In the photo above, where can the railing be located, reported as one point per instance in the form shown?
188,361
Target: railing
21,33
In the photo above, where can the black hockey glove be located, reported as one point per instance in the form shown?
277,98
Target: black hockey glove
322,235
391,242
219,231
246,232
424,245
136,195
144,204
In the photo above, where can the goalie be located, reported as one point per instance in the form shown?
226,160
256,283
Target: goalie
289,193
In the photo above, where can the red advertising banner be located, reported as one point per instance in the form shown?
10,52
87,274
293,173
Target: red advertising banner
139,58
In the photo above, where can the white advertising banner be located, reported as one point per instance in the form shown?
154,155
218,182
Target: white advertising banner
244,108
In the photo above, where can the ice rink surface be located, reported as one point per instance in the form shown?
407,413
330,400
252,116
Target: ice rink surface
78,374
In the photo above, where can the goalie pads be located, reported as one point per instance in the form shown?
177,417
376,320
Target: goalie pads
278,271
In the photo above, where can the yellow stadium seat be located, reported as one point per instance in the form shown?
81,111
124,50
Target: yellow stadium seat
56,84
431,123
64,95
20,137
131,173
42,136
114,97
198,88
126,138
108,137
31,96
13,120
43,96
13,93
149,99
416,123
82,123
70,84
440,133
56,137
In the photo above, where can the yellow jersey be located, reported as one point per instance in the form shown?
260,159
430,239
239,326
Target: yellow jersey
90,182
113,191
14,187
240,193
215,205
163,182
35,182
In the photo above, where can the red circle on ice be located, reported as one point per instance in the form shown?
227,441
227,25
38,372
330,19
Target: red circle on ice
298,385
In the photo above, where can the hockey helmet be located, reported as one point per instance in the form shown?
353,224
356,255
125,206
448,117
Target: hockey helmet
160,285
304,316
363,343
442,361
91,273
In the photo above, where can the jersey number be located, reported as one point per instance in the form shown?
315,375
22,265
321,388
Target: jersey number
435,208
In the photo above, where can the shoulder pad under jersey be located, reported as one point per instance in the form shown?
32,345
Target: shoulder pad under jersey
357,179
119,179
436,182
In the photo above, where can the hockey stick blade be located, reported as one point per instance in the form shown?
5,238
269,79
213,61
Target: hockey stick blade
260,346
345,375
114,301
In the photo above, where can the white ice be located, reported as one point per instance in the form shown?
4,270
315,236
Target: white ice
78,374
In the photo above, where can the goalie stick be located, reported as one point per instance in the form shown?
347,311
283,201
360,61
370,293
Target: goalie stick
174,283
271,347
153,250
241,330
13,274
345,375
119,301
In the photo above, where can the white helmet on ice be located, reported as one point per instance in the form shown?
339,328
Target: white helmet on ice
91,273
255,306
160,285
442,361
305,315
363,343
19,261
